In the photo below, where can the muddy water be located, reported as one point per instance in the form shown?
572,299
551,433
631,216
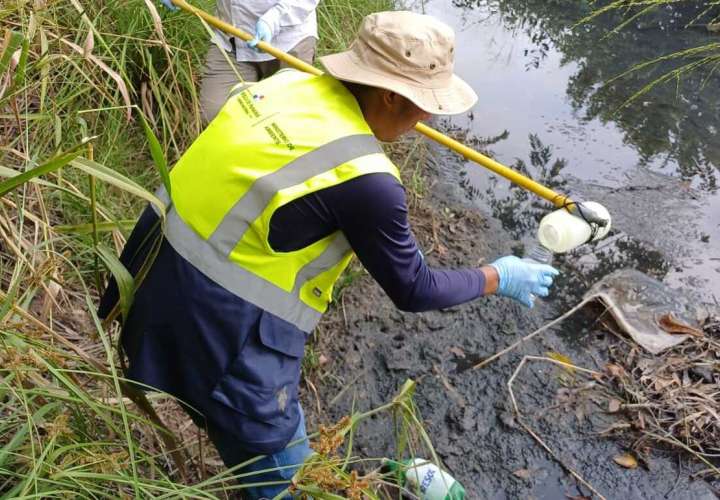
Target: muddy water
543,109
543,93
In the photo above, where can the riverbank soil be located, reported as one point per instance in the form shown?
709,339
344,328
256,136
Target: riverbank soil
368,348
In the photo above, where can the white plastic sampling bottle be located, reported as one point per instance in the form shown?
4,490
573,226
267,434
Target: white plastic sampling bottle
420,476
560,231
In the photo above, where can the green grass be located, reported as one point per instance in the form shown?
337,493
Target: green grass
338,21
95,99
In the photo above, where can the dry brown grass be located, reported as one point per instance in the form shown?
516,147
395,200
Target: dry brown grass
671,400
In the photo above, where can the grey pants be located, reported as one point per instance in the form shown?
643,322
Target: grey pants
218,77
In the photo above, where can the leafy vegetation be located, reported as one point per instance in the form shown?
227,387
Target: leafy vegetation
97,98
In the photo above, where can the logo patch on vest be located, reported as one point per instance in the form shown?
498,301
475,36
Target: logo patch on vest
278,136
247,105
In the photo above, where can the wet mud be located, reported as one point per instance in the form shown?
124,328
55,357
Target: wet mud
372,347
547,110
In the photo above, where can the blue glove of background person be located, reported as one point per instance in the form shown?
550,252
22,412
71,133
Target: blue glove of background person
169,4
263,33
523,280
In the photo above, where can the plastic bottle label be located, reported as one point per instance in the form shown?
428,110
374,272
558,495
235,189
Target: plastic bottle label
433,483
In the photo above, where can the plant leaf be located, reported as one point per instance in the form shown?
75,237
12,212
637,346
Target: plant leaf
7,304
55,163
102,227
156,152
671,324
12,42
21,63
123,278
89,44
122,87
118,180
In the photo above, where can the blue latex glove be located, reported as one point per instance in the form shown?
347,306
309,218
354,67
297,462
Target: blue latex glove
263,33
523,280
169,4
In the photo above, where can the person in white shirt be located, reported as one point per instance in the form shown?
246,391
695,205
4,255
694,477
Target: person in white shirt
290,25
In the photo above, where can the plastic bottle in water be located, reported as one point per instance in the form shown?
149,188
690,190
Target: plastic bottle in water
425,479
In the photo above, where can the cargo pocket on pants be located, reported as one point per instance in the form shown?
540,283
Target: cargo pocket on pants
262,382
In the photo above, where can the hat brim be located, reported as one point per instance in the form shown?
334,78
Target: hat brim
457,97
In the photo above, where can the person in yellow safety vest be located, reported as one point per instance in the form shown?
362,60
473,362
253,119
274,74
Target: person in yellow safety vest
290,25
265,211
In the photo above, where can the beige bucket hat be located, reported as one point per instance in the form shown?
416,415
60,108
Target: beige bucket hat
408,53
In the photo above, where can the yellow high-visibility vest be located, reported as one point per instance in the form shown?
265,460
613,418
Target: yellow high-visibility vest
272,142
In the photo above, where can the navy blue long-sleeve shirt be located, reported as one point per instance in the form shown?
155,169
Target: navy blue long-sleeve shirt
371,211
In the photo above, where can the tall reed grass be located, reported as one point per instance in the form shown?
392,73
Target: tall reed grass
96,99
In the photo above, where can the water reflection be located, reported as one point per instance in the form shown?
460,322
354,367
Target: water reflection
675,122
520,212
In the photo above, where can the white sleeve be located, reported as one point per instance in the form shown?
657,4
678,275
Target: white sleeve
288,13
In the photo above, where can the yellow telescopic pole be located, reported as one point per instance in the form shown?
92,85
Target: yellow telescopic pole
559,200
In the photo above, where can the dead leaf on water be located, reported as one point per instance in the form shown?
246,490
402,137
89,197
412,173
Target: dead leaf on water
626,460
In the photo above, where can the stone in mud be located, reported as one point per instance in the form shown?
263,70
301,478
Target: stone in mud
637,301
398,359
462,419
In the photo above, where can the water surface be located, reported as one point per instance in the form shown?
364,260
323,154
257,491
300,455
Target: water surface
547,102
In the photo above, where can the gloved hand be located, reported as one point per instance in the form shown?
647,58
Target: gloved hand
523,280
169,4
263,33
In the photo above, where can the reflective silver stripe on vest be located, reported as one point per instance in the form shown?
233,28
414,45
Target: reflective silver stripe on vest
333,254
163,196
211,257
235,279
256,199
